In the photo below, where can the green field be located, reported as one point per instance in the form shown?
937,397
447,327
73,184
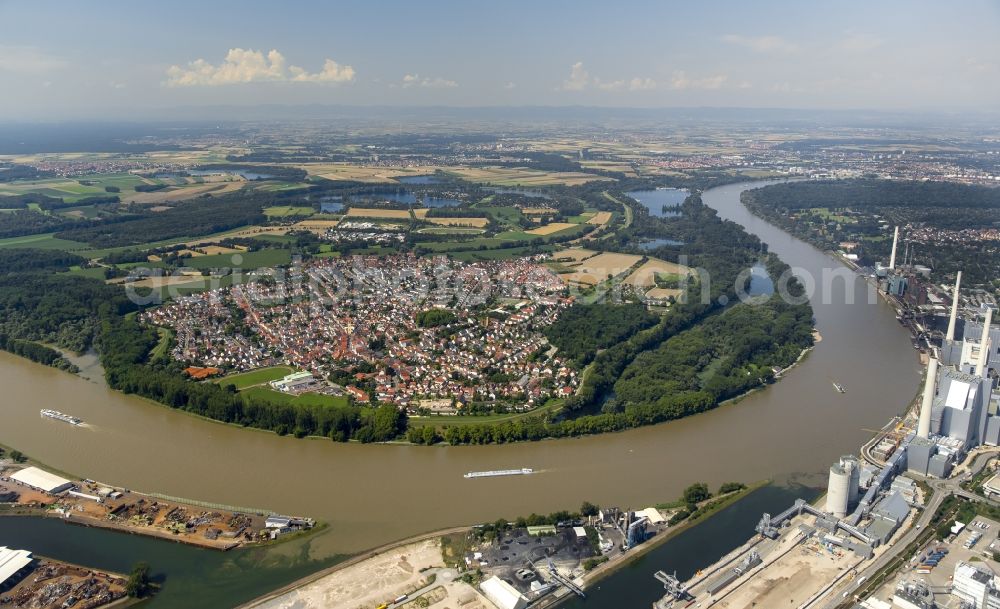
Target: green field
71,190
160,350
242,380
283,211
506,253
94,272
247,260
306,399
45,241
452,421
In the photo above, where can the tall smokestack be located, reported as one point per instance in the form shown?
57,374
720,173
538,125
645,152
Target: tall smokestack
954,308
895,242
924,423
984,343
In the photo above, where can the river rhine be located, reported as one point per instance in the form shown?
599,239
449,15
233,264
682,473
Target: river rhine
371,495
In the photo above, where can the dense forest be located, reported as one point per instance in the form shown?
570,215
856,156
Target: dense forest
193,218
36,353
829,213
584,328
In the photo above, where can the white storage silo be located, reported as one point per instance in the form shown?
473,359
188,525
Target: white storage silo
838,491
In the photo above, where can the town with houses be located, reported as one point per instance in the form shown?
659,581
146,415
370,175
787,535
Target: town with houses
446,330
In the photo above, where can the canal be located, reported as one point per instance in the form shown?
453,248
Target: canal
371,495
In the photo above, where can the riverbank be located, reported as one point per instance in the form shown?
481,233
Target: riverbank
33,490
609,568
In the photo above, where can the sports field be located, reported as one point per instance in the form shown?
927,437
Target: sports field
265,394
242,380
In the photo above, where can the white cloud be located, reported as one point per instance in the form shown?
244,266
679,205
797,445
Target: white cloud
578,79
331,72
857,42
248,65
415,80
681,81
509,85
27,59
761,44
641,84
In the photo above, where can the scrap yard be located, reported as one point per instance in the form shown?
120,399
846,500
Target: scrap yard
40,583
90,503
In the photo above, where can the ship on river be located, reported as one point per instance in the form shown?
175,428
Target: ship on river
61,416
501,472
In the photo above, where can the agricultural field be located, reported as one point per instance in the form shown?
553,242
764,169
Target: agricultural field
504,176
260,376
359,173
392,214
474,222
284,211
645,275
600,218
45,241
450,230
551,229
538,211
596,269
245,260
316,226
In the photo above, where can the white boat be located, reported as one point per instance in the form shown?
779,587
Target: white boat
840,388
501,472
60,416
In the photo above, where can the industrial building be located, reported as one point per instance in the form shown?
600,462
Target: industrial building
960,409
14,565
293,383
976,585
41,480
842,492
502,594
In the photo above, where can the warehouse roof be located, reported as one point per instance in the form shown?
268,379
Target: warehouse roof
42,480
502,594
12,561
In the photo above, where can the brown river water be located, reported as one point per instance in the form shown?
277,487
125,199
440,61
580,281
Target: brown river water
374,494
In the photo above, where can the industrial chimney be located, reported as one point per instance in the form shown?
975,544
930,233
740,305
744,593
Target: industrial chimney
954,309
924,423
984,343
895,242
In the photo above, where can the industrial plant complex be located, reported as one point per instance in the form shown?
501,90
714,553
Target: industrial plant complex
881,507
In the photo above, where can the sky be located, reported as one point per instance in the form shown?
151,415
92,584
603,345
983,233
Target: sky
64,60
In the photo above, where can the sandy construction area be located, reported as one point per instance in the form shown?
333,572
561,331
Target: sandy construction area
548,229
475,222
366,584
791,580
600,218
645,275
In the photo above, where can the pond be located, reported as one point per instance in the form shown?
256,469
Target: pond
655,200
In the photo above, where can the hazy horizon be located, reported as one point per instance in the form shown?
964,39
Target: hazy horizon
66,60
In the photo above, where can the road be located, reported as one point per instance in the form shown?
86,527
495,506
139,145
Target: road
942,489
